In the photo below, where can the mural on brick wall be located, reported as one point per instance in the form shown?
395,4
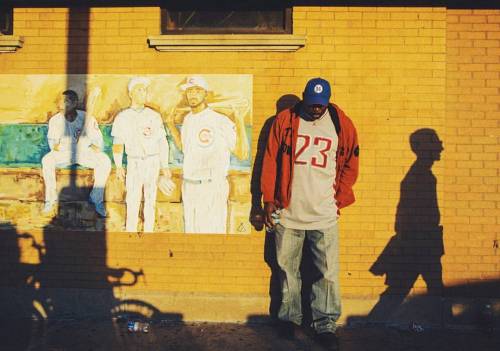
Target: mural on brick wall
153,153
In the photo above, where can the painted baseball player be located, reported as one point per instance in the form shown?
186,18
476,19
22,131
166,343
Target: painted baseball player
140,132
207,140
74,139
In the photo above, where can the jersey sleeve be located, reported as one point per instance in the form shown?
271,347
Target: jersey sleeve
54,132
93,131
118,129
162,140
162,134
228,132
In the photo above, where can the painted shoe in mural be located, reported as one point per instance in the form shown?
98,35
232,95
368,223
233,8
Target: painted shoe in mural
49,207
99,209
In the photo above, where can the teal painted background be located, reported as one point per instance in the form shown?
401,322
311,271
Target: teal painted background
24,145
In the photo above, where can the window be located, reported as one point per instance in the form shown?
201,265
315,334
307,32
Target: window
6,18
237,18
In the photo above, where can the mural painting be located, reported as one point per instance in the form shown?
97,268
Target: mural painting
115,140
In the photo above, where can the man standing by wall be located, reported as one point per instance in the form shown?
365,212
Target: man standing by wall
207,140
309,168
74,139
140,132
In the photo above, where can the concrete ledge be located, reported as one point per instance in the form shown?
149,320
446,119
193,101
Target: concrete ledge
227,42
10,43
427,311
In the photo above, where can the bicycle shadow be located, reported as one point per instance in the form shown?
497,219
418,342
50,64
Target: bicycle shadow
17,293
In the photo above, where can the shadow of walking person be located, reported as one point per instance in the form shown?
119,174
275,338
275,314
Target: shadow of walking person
416,248
256,213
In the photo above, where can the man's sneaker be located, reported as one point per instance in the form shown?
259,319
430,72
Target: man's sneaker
100,209
329,341
286,330
49,207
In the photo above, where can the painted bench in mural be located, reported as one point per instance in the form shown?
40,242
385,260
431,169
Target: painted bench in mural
22,147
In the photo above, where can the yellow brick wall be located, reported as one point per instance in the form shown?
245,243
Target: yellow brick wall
472,200
393,71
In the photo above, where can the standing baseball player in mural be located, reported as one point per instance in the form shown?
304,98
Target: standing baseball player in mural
207,140
310,166
140,132
74,139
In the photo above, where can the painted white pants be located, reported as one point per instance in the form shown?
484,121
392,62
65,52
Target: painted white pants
205,206
97,160
142,173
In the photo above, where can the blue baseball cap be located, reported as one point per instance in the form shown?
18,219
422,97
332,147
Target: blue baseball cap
317,92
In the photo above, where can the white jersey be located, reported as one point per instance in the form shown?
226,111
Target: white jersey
80,133
207,140
312,203
142,132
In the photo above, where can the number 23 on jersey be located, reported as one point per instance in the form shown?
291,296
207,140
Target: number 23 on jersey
313,150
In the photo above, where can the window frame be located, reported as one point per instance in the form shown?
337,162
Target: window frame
288,26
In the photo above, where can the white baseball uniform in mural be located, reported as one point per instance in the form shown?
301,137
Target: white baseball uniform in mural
74,140
143,134
207,138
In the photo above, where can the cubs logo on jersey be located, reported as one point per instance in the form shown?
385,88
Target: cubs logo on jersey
205,137
147,131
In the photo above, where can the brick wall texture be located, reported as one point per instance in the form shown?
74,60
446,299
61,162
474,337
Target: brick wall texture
395,71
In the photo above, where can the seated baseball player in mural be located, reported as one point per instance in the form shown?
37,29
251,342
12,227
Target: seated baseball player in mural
207,139
139,131
74,138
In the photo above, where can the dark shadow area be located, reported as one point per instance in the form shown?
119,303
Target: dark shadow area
70,281
65,298
259,4
416,248
77,58
256,213
463,306
284,102
15,275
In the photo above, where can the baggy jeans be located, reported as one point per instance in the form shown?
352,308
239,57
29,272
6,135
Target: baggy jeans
325,294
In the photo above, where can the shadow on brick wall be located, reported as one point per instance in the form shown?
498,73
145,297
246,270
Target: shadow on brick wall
256,213
416,248
69,278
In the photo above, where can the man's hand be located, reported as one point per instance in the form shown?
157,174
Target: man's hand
120,173
165,183
269,209
166,172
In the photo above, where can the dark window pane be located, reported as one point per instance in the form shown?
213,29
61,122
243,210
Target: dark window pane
6,18
226,21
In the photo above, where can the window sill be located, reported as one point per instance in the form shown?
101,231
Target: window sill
227,42
10,43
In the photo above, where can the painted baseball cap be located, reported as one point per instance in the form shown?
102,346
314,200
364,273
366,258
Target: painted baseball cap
317,92
195,81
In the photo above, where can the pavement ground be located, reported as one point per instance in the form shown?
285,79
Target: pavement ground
91,335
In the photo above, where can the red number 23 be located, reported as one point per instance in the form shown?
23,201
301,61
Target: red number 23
323,144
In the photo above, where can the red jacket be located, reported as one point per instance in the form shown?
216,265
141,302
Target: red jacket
279,157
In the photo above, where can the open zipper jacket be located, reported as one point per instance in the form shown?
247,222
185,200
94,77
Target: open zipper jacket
279,157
